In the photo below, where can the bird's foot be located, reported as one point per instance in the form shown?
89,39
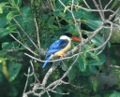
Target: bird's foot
61,56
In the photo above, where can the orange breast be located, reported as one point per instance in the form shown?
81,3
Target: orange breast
63,51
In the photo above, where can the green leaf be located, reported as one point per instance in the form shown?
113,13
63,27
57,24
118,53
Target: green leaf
27,18
11,15
115,94
13,91
2,5
6,45
115,4
18,2
2,78
59,90
15,4
72,74
98,40
86,60
14,69
94,83
93,55
3,21
97,62
64,67
82,62
93,24
6,31
70,28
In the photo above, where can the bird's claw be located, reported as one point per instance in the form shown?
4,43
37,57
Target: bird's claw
61,56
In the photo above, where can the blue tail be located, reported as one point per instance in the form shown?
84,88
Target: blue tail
46,62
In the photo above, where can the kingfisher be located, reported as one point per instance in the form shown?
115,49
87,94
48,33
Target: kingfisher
60,47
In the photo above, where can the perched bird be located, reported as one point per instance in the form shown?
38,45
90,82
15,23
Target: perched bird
60,47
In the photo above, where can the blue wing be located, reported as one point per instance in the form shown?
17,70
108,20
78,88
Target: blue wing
57,46
46,62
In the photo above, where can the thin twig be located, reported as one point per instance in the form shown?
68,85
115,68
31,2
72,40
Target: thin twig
26,84
25,33
87,4
102,45
108,4
26,47
37,33
36,79
50,71
98,8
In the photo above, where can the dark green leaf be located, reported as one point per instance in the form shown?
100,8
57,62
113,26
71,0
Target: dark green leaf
93,55
14,69
82,62
100,61
72,74
2,78
18,2
93,24
3,21
98,40
94,83
6,31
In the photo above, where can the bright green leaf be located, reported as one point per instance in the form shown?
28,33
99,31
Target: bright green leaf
2,5
11,15
115,94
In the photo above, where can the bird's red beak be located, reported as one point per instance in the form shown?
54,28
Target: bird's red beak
74,38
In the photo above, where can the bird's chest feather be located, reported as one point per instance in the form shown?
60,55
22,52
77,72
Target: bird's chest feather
64,50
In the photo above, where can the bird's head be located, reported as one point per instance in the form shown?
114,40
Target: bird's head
69,36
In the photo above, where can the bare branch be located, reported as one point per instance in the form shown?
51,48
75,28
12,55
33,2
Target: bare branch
50,71
108,4
46,87
98,8
26,84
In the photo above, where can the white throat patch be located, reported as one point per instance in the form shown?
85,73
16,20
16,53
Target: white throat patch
65,37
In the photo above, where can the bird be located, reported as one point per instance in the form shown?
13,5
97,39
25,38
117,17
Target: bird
60,47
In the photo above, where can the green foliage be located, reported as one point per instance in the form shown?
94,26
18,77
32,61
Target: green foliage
2,6
14,69
17,18
115,94
10,63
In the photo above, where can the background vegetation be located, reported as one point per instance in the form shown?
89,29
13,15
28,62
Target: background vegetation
28,27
